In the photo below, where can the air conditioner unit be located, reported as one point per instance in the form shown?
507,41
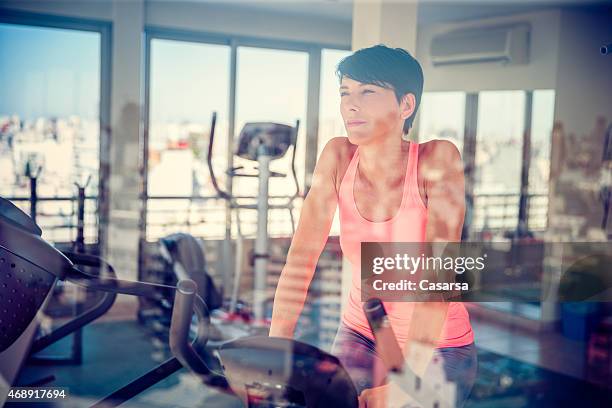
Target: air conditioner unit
504,44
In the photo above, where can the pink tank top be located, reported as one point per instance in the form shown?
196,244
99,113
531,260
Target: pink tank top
407,225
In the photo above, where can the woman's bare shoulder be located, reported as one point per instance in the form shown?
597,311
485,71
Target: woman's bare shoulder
438,152
436,158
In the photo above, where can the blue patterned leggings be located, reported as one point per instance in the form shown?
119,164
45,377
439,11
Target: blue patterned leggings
358,355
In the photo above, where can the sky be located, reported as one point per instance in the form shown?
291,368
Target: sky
49,72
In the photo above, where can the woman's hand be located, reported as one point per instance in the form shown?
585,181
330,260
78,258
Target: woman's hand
386,396
374,397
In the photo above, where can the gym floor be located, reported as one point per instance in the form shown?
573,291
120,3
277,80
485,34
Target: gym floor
114,353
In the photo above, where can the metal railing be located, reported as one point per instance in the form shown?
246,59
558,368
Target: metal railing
204,216
57,216
499,212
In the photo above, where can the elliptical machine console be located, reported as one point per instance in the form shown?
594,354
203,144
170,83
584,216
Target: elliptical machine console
264,138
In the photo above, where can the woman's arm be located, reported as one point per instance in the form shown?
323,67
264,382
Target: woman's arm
308,241
442,173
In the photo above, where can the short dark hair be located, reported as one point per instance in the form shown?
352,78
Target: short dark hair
392,68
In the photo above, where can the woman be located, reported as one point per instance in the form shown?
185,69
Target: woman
387,190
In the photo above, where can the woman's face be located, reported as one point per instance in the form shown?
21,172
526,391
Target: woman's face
370,112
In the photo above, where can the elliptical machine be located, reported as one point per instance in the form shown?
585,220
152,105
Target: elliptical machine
261,142
183,256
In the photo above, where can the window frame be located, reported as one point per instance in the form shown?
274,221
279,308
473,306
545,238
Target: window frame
104,28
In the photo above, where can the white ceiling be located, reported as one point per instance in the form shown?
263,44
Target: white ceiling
430,11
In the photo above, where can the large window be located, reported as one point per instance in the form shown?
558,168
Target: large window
499,143
442,116
498,156
542,118
501,135
188,82
271,86
50,123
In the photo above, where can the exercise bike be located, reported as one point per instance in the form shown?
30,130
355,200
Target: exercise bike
260,370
